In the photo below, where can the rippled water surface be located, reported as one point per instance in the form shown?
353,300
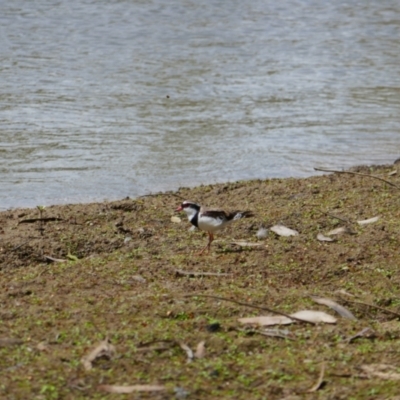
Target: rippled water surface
106,99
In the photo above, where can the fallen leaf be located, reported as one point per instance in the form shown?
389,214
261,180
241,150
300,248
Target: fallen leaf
103,349
131,389
383,371
394,172
338,231
344,312
262,233
267,320
368,221
247,244
315,316
282,230
366,332
200,350
138,278
43,346
323,238
57,260
188,350
176,219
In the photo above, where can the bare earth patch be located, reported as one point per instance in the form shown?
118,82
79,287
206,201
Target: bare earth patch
111,297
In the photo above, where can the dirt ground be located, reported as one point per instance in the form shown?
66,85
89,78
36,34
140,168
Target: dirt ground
127,276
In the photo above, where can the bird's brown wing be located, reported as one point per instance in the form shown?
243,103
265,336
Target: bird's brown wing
217,214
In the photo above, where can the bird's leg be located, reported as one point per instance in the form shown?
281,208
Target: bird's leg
208,246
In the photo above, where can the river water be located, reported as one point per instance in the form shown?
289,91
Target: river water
106,99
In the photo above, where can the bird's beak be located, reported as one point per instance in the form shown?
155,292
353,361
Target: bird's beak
180,208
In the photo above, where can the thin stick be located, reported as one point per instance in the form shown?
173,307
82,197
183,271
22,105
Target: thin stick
251,306
347,221
264,333
189,273
373,306
356,173
320,380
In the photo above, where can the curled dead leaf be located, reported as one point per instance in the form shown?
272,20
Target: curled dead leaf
315,316
188,350
323,238
304,315
368,221
338,231
267,320
131,389
342,311
200,350
103,349
282,230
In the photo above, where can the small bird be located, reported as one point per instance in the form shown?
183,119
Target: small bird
210,221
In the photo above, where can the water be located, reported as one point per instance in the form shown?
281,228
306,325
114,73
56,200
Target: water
107,99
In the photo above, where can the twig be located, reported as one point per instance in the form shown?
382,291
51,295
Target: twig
23,244
319,381
191,273
251,306
347,221
268,333
373,306
357,173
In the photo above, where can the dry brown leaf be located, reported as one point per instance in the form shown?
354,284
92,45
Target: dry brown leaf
342,311
368,221
188,350
131,389
56,260
267,320
176,219
323,238
200,350
282,230
43,346
338,231
315,316
103,349
366,332
4,342
383,371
